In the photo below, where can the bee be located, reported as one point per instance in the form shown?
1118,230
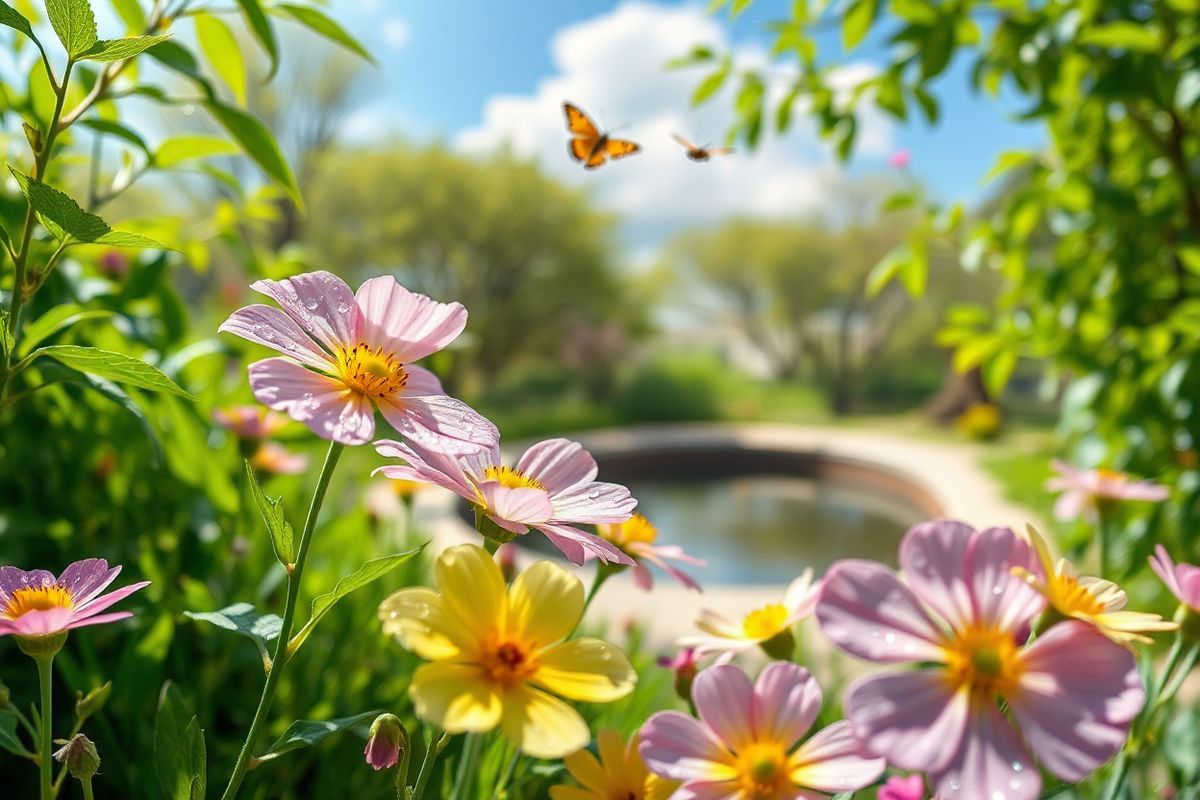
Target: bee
697,153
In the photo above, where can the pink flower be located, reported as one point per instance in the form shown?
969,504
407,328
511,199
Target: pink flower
250,422
35,603
757,628
386,742
638,538
553,488
274,459
348,353
1182,579
1072,693
1083,489
900,159
744,744
685,665
910,787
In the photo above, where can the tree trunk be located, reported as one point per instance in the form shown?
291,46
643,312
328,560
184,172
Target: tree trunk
960,391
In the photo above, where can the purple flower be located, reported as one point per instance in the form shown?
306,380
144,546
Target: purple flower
35,603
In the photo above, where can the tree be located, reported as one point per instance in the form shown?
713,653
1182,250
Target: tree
529,257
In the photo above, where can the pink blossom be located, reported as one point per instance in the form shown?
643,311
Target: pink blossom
35,603
250,422
900,159
553,488
909,787
273,458
744,744
682,663
638,539
1083,489
386,742
349,353
1182,579
1072,693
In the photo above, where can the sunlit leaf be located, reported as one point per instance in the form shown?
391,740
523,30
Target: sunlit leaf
243,618
119,49
74,23
179,149
309,733
261,27
12,18
223,53
857,22
258,143
712,83
131,13
322,25
179,757
118,130
271,509
65,213
113,366
1125,35
56,319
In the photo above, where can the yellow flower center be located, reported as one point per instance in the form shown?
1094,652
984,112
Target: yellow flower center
763,771
507,661
764,623
1070,598
509,477
41,598
373,372
1110,474
984,660
636,529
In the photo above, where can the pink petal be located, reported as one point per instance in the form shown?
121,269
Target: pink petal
320,302
913,719
833,761
272,328
576,544
326,405
909,787
1001,598
86,579
524,505
658,557
99,619
439,422
427,466
1078,693
786,701
681,748
724,699
1145,490
933,559
990,762
404,323
1070,505
104,601
558,464
1164,566
422,382
642,577
40,622
591,503
866,611
715,790
14,578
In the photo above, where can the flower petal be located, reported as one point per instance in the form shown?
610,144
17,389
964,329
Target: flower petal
272,328
422,382
586,669
834,761
542,726
326,405
681,748
88,578
933,560
724,699
418,619
1000,597
786,701
98,619
989,762
576,544
320,302
96,605
866,611
593,503
1164,567
1078,693
545,604
427,466
524,505
558,464
801,597
404,323
472,588
14,578
438,422
584,768
913,719
455,697
40,622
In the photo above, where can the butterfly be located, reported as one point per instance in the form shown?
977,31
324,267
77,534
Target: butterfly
696,153
589,145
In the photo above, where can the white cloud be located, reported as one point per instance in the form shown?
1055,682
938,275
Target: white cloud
612,66
396,32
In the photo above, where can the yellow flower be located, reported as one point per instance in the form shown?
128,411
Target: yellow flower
619,774
1093,600
768,626
498,653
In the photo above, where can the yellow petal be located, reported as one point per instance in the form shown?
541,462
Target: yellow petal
545,604
586,669
455,697
572,793
611,747
659,788
472,588
585,769
540,725
1041,549
418,619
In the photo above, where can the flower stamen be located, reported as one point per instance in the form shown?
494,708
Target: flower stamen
372,371
984,660
38,598
764,623
511,478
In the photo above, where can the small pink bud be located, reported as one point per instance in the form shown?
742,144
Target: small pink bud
387,742
114,265
685,666
907,787
506,557
900,159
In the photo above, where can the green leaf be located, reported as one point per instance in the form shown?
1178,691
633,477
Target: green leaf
711,84
897,201
130,12
308,733
1126,35
998,370
1005,162
186,148
371,571
928,103
9,739
113,393
260,26
74,23
223,54
114,366
56,319
936,49
175,56
857,22
10,17
697,55
271,509
887,269
243,618
322,25
179,757
259,145
110,128
65,213
120,49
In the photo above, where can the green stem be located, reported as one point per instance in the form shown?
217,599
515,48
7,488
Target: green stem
437,743
1106,522
1185,668
507,775
603,572
289,612
86,783
45,667
466,765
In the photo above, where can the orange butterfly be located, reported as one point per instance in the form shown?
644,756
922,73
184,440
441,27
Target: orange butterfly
696,153
589,145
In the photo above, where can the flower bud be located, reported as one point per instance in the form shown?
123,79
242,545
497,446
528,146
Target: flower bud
506,557
1189,622
907,787
80,756
93,701
388,740
685,666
